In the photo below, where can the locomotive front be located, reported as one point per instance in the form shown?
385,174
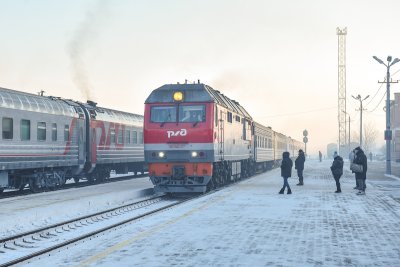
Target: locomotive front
178,138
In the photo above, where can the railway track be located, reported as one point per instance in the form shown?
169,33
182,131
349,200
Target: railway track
23,247
27,191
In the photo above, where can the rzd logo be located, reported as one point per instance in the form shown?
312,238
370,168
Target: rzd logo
182,132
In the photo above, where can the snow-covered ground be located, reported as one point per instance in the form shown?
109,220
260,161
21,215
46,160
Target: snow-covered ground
250,224
25,213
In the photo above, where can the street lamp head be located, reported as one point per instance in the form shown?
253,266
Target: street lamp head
395,61
377,59
366,97
389,58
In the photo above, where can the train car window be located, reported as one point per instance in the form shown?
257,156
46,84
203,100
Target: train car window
66,132
163,114
140,137
120,136
41,131
54,132
237,118
8,132
229,117
134,137
193,113
216,115
128,136
112,136
25,130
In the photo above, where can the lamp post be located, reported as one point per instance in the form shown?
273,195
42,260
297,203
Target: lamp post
388,132
361,110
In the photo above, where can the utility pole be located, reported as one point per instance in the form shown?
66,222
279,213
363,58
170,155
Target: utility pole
361,110
388,132
349,131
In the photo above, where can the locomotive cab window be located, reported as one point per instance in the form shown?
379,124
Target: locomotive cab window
163,114
193,113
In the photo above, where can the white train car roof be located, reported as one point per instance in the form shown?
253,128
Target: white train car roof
111,115
196,92
35,103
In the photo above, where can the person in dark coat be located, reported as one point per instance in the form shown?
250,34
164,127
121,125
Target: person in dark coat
286,171
299,166
361,159
337,171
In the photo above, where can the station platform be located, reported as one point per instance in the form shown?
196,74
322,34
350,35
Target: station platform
250,224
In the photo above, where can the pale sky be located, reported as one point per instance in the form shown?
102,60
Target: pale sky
277,58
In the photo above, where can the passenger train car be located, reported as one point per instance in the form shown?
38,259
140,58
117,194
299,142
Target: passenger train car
196,138
48,140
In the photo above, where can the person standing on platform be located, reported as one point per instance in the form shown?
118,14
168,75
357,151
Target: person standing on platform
320,156
299,166
360,159
286,171
337,171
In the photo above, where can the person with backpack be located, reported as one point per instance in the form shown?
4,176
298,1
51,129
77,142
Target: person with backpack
337,171
286,171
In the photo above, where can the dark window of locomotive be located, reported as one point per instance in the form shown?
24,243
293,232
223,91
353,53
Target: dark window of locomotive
230,117
237,118
163,114
134,137
195,113
128,136
25,130
112,136
41,131
54,132
140,137
66,133
8,132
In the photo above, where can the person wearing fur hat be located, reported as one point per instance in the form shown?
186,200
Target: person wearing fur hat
286,171
337,171
360,159
299,166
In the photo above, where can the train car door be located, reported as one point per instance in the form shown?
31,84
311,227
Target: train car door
221,135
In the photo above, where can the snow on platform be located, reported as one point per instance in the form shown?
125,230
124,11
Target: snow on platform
250,224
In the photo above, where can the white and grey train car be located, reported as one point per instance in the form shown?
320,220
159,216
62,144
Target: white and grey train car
41,140
115,142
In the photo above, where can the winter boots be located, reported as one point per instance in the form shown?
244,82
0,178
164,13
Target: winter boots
338,190
289,191
300,183
282,191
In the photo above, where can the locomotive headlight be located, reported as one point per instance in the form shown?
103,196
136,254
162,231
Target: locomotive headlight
194,154
178,96
161,154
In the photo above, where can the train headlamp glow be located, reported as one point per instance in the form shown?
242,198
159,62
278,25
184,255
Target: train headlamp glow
194,154
178,96
161,154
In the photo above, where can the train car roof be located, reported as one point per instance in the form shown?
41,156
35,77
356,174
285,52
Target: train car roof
36,103
196,92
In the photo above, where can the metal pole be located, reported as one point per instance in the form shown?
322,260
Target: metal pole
361,110
349,135
388,140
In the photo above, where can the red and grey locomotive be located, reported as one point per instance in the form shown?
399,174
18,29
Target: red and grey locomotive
196,138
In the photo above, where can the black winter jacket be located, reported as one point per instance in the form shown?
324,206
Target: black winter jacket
337,167
360,158
286,166
299,162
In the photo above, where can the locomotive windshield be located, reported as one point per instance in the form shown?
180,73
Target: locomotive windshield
192,113
163,114
186,113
